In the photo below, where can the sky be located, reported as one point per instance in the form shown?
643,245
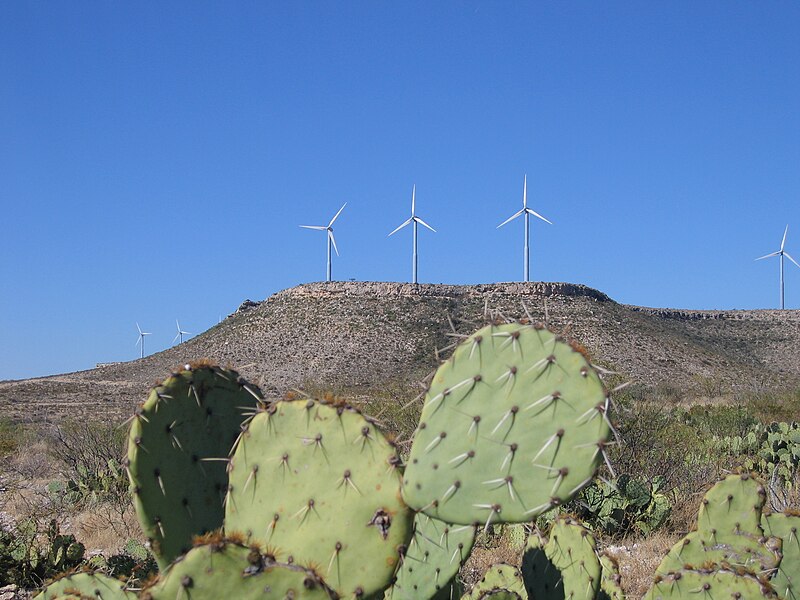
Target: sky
157,158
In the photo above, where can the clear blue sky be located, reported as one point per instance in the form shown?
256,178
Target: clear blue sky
156,158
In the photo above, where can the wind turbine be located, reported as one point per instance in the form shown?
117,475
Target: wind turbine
413,220
781,253
331,240
180,333
527,212
140,340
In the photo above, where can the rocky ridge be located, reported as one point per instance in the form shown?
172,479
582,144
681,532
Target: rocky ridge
378,339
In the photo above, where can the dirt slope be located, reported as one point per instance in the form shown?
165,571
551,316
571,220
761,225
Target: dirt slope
365,338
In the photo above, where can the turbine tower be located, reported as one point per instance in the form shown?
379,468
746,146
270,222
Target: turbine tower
413,220
527,212
140,339
331,240
180,333
781,253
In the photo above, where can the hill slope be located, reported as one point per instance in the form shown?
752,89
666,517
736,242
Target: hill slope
367,338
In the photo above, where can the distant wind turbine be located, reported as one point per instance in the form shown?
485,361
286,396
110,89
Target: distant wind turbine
140,340
781,253
180,333
331,240
413,220
527,212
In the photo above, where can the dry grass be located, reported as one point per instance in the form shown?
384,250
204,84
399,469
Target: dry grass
638,560
104,528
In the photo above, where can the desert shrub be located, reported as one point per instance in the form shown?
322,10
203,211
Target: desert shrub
89,454
770,405
10,437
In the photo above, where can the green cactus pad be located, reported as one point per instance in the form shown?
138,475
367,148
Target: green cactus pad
95,586
501,581
321,482
498,595
786,527
565,566
224,569
513,424
610,580
716,584
434,556
698,548
177,447
733,505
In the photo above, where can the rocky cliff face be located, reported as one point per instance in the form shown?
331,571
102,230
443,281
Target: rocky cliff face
369,338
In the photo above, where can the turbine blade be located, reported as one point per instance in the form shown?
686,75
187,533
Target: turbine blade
413,199
406,222
421,222
317,227
525,191
333,240
176,337
786,254
138,340
783,241
512,217
768,255
535,214
336,216
139,329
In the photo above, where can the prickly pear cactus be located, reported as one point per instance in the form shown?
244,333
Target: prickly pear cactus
733,505
565,566
786,527
709,584
320,482
728,531
85,585
514,423
226,569
434,556
178,444
761,555
501,581
610,580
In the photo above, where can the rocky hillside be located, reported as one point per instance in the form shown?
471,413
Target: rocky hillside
379,339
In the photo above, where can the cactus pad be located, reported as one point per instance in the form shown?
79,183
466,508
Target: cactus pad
85,585
501,581
698,548
177,446
321,482
513,424
717,584
224,569
786,527
435,554
610,580
733,505
566,566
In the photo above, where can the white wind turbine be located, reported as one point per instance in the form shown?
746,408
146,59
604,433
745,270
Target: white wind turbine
140,339
781,253
527,212
413,220
331,240
180,333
